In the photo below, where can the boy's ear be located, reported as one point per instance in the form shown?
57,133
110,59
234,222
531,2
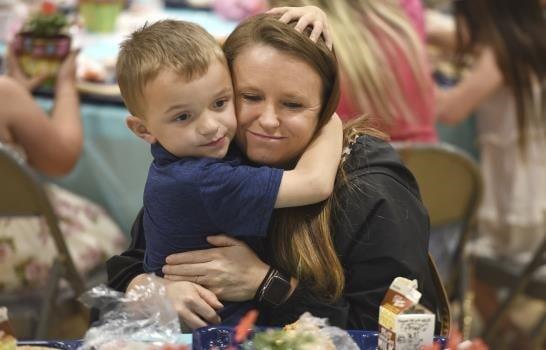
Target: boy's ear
138,127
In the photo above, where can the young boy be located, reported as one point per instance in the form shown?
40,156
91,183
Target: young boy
176,84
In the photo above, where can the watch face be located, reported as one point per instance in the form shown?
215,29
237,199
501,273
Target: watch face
277,290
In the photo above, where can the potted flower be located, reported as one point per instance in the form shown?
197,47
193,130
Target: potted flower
42,43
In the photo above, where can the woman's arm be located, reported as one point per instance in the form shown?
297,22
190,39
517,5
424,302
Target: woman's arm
231,270
234,274
52,145
124,268
440,31
457,103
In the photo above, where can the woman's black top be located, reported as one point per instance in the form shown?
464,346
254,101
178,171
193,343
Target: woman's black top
381,231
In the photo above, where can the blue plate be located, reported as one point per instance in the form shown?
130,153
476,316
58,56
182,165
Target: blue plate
222,338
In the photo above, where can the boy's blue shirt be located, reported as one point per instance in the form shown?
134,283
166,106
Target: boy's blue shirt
188,199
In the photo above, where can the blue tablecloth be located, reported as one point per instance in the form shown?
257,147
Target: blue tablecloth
113,165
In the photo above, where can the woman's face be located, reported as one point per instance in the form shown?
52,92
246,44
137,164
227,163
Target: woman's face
278,101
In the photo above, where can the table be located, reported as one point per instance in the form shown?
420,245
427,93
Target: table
113,165
104,47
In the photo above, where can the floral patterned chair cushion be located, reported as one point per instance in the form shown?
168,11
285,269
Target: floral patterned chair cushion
27,249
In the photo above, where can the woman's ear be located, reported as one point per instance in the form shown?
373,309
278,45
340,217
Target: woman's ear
138,127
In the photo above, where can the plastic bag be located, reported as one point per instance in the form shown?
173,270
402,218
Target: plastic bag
144,314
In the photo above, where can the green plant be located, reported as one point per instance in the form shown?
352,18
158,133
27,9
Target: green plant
46,22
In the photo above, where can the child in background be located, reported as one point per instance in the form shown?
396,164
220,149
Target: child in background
175,82
505,89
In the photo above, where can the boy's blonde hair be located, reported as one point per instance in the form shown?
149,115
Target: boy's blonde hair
183,47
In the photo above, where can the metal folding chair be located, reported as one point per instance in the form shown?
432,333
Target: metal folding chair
451,187
520,280
22,194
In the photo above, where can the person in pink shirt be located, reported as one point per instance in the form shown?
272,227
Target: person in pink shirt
416,14
385,73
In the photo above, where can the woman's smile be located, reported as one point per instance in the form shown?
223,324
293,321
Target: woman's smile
277,115
265,137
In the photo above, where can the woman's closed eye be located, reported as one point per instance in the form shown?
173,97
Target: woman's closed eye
292,105
251,97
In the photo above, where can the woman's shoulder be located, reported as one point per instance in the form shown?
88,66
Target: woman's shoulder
369,154
379,205
373,161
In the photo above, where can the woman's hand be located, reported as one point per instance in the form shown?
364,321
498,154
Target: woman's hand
232,270
307,16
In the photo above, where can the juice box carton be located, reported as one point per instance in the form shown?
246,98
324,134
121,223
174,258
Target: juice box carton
404,324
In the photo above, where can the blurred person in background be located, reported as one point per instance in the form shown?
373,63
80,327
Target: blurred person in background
505,88
52,146
385,73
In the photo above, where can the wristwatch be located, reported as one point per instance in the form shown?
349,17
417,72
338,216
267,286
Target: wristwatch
274,289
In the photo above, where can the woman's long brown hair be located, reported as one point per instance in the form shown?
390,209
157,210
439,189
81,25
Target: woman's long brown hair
516,31
300,238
